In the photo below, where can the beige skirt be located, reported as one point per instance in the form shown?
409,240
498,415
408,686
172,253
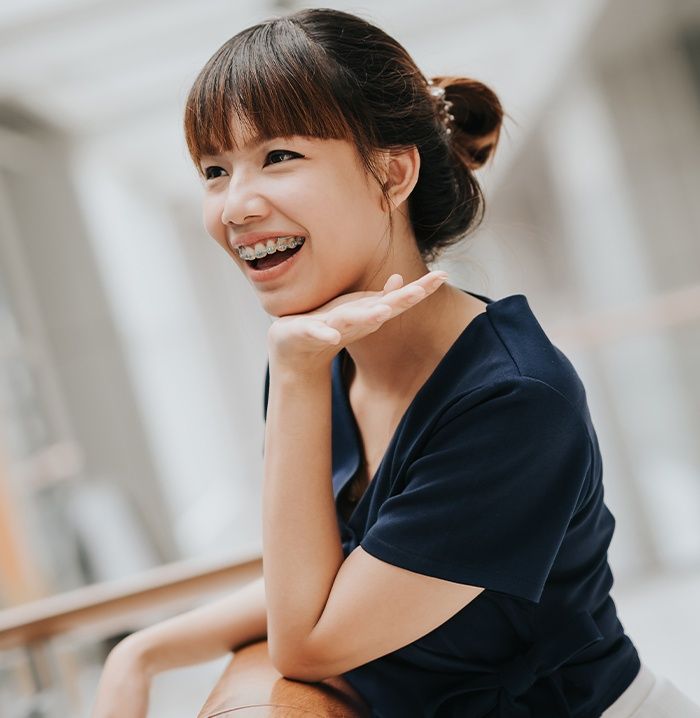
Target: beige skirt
651,695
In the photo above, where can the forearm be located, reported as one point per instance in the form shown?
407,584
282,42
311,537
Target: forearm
204,633
302,550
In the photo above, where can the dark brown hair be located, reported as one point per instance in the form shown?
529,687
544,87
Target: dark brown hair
329,74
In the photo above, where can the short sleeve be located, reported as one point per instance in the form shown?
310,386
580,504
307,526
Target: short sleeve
488,499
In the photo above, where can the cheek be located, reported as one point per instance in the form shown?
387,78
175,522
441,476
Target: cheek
307,194
360,225
338,202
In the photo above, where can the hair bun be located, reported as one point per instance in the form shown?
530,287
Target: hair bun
478,117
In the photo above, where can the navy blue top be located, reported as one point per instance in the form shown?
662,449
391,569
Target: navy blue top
493,478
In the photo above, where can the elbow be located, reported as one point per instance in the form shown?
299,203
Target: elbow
298,673
296,665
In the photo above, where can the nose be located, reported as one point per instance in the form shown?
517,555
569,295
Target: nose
243,203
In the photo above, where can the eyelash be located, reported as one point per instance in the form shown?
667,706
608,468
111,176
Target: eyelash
272,152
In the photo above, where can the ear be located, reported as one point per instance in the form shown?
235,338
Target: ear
401,169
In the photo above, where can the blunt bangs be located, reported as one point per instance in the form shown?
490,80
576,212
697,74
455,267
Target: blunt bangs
268,81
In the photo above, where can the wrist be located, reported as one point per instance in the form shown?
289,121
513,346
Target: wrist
136,653
310,373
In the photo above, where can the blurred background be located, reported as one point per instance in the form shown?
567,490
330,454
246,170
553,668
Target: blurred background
132,351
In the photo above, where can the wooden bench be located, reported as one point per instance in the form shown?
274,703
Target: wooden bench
251,687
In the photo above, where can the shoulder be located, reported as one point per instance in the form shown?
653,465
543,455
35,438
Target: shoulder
509,356
532,352
518,416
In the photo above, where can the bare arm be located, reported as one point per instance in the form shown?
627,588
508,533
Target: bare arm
204,633
199,635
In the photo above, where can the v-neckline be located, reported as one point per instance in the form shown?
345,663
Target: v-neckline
347,406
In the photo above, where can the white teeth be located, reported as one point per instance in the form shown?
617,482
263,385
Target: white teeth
269,246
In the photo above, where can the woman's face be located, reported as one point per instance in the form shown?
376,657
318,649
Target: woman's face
298,186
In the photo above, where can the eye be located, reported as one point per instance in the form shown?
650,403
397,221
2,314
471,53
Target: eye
208,170
278,153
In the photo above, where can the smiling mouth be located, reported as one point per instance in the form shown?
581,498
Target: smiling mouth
272,260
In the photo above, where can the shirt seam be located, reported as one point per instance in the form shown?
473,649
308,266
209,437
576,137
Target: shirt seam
528,377
586,484
588,478
529,585
534,378
505,382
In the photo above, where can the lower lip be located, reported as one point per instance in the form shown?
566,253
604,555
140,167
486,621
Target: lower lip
266,275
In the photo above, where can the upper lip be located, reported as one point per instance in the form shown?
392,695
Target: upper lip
246,240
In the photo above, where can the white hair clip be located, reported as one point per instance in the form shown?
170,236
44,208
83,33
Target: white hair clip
444,106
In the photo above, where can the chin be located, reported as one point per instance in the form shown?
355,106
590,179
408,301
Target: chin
279,307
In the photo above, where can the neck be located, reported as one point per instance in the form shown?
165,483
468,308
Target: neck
392,360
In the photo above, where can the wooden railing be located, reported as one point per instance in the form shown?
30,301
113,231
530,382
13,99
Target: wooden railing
656,313
109,608
250,685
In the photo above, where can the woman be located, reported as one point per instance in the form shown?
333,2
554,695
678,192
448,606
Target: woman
433,519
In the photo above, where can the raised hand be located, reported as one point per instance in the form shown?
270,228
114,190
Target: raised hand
307,342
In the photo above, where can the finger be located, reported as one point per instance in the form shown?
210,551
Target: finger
348,316
394,282
424,285
430,281
404,297
381,312
408,294
325,333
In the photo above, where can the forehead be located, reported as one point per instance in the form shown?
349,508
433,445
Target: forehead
240,139
239,148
